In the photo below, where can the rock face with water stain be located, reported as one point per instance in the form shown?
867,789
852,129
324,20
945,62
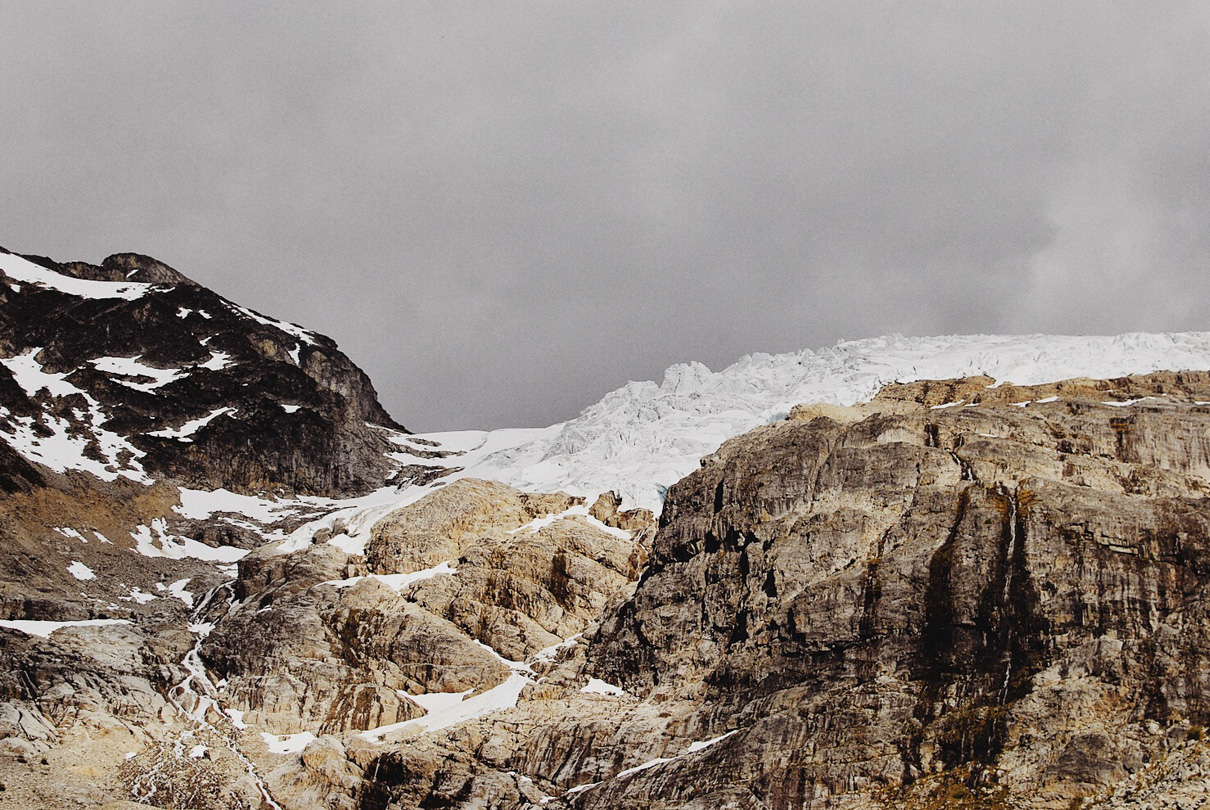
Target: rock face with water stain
900,603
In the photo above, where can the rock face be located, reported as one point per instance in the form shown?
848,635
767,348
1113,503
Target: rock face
156,375
1007,601
451,591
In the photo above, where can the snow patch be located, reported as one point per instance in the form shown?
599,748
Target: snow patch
44,629
23,270
445,709
139,596
596,686
191,427
177,589
80,571
396,582
217,362
287,743
132,367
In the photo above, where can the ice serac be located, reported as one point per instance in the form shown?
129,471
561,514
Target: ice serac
142,373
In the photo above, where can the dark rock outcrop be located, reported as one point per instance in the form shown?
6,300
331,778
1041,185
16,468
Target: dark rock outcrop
211,393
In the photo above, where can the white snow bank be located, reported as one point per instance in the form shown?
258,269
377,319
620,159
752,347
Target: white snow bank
186,430
198,504
23,270
80,571
446,709
287,743
44,629
643,437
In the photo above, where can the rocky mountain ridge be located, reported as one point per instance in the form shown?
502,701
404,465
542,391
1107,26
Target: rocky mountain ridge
902,573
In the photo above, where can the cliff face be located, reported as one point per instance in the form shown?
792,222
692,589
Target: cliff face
887,603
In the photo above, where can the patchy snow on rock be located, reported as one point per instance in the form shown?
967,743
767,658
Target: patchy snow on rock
132,367
396,582
80,571
65,448
445,709
186,430
155,541
294,331
287,743
43,629
197,751
26,271
596,686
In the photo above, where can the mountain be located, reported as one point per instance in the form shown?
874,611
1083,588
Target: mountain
904,572
145,374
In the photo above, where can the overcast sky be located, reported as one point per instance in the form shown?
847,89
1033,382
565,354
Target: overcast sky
503,210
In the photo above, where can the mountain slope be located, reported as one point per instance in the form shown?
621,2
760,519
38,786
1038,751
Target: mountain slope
223,567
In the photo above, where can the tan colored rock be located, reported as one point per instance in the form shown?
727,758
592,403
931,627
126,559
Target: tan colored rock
926,599
443,524
607,509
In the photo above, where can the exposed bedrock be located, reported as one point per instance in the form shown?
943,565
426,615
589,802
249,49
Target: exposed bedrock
324,639
1007,601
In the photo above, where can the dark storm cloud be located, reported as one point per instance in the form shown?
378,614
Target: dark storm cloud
503,210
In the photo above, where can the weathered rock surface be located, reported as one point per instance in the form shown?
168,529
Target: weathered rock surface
323,639
1002,599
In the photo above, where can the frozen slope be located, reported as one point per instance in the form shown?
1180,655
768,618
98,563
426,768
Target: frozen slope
643,437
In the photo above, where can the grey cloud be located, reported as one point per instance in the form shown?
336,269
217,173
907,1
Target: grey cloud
503,210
